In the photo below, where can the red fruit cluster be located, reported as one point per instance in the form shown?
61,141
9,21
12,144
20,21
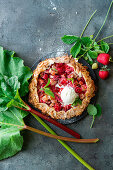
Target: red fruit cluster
104,59
62,75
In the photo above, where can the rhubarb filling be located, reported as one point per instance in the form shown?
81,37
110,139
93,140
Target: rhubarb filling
61,76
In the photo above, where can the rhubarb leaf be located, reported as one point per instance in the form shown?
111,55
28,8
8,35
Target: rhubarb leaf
8,89
11,122
13,66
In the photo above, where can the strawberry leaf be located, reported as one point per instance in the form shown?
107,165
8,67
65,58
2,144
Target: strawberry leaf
92,110
75,49
104,46
86,41
92,54
99,110
69,39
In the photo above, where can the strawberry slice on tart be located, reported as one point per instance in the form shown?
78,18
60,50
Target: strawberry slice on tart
69,82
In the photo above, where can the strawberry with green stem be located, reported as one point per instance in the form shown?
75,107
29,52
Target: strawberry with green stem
104,72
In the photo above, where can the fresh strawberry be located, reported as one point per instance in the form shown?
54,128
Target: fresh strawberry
103,73
78,90
103,58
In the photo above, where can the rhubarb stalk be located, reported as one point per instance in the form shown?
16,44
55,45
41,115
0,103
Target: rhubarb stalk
47,118
64,144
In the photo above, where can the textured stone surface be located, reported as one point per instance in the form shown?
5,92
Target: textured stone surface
32,28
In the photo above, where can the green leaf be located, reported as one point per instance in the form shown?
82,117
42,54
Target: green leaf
99,51
11,142
69,39
75,49
72,79
54,69
89,59
92,110
92,54
104,46
91,36
47,83
13,66
99,110
77,100
49,92
86,41
17,102
8,89
96,46
11,122
82,51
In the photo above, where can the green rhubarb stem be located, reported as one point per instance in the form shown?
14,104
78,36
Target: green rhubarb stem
87,23
92,121
64,144
104,20
105,38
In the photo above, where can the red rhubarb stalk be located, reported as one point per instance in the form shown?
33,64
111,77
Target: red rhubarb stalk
54,122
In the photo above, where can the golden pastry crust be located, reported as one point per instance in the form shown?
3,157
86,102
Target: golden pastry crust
79,69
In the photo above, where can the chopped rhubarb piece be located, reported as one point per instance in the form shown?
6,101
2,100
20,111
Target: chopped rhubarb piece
60,67
81,82
47,71
41,101
84,87
82,79
56,77
63,81
64,75
58,98
70,75
70,83
52,82
41,83
69,69
78,78
44,76
67,107
57,107
82,96
55,89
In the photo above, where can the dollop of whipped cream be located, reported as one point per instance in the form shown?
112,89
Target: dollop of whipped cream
68,95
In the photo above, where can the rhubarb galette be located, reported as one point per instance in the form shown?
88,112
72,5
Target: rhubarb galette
61,87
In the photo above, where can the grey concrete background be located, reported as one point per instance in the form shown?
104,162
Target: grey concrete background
32,28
